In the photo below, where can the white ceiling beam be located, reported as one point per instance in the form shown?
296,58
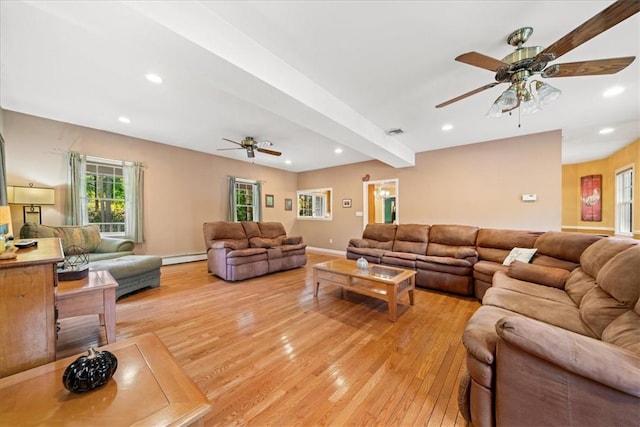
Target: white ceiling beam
270,83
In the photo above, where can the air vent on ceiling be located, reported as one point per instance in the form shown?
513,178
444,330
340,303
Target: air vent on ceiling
395,131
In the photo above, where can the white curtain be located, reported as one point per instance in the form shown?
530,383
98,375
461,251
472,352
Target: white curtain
76,206
134,197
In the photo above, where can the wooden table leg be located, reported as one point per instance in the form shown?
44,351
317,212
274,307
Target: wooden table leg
316,284
109,296
392,299
412,287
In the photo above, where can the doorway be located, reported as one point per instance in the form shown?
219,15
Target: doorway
381,201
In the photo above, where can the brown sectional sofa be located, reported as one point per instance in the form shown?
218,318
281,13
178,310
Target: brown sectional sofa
463,259
558,346
242,250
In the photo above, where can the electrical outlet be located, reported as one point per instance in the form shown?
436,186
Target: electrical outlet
330,240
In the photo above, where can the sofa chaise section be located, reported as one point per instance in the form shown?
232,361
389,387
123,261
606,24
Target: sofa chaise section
554,337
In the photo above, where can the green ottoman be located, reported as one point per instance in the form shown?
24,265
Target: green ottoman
132,272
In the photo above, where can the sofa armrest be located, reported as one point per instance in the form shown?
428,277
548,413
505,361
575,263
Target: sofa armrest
292,240
584,356
114,244
358,243
223,244
542,275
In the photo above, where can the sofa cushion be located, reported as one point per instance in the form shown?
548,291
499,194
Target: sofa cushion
272,230
624,331
85,236
502,280
563,246
617,292
553,312
599,253
262,242
495,244
251,229
223,230
380,236
411,238
548,276
453,235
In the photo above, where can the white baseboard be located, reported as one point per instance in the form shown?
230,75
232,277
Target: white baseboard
180,259
326,251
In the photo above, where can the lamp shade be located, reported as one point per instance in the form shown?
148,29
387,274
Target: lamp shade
30,195
546,93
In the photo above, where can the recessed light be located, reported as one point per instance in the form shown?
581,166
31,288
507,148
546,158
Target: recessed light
338,150
613,91
288,162
605,131
447,127
153,78
124,119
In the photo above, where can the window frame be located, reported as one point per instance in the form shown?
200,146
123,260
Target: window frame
99,162
255,198
621,201
321,204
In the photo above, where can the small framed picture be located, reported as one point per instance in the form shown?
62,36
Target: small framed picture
346,203
269,200
288,204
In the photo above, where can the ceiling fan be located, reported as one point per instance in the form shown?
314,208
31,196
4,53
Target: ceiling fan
251,145
526,62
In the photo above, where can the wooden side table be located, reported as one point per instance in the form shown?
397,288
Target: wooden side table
148,389
95,294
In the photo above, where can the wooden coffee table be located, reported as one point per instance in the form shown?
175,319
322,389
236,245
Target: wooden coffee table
381,282
147,389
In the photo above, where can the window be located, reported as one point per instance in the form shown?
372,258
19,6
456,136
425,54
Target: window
314,204
105,196
246,200
624,201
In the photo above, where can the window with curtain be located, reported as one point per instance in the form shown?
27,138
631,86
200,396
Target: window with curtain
108,193
624,201
244,200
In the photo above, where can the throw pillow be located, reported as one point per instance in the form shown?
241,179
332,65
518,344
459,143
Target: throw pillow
519,254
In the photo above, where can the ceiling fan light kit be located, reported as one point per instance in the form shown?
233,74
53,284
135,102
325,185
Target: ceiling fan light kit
526,62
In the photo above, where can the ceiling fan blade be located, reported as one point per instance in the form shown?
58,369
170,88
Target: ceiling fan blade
225,149
473,92
588,68
479,60
612,15
234,142
265,151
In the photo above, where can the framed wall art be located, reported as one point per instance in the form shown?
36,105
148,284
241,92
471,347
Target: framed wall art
591,198
288,204
269,200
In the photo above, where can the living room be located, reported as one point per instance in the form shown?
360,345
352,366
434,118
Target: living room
481,182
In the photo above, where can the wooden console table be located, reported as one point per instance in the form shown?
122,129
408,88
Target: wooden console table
95,294
27,319
147,389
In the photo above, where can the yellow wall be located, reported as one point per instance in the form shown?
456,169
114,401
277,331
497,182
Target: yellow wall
629,155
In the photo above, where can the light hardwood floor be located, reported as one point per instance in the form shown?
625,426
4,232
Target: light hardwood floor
266,352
